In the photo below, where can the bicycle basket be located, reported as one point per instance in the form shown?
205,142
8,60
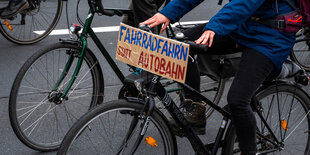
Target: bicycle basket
219,66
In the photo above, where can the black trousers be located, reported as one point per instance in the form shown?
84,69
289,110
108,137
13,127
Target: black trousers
254,68
143,10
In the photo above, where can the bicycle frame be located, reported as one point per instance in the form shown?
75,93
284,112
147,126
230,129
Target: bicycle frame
88,31
157,89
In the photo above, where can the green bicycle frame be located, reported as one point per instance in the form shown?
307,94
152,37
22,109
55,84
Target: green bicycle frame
88,31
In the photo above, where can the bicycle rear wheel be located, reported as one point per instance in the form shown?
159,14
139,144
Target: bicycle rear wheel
105,130
32,24
37,119
301,53
288,119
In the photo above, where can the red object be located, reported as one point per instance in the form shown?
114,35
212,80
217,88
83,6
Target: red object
304,7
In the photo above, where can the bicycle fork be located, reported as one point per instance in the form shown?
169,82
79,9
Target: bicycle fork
58,97
146,115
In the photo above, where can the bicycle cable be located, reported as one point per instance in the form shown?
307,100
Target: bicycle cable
77,13
68,22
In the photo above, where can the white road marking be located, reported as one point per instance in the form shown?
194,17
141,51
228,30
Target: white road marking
110,28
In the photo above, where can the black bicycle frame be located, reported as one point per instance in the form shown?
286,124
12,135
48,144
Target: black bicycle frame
156,88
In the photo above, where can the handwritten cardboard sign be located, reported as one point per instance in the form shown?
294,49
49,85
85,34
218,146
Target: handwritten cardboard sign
159,55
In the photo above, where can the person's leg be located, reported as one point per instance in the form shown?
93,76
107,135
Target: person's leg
254,68
194,107
143,10
220,46
14,7
127,19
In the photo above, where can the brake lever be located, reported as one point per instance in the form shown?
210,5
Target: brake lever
146,28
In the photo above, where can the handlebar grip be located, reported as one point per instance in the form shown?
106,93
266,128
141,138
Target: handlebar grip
145,28
108,12
197,48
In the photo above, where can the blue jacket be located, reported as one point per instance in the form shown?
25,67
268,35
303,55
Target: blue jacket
233,20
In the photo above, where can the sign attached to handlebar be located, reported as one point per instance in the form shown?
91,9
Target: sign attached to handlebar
153,53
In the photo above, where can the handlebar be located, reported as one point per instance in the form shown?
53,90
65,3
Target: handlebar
97,7
198,48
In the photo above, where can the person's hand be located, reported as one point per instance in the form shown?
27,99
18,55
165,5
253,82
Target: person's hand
156,20
206,38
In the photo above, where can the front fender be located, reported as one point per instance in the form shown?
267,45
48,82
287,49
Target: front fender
266,85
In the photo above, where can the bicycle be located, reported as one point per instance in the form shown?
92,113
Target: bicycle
301,52
119,127
48,95
32,24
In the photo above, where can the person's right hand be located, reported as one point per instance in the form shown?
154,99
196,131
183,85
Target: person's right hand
156,20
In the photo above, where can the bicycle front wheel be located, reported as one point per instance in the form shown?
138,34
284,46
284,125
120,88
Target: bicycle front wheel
113,128
301,53
32,24
286,110
37,119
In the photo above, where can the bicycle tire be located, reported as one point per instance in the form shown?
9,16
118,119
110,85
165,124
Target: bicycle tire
84,131
39,22
230,143
217,98
301,53
34,118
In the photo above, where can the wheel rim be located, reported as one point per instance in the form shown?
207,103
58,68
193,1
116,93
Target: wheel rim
293,127
44,123
301,54
39,21
295,139
105,133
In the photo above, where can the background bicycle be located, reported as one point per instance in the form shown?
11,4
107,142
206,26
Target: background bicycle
301,51
32,24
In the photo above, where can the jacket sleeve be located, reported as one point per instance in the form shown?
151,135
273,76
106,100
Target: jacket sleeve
176,9
232,15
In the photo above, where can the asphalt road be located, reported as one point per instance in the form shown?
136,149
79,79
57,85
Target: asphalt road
12,57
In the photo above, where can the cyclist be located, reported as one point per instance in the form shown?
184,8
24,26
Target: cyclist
14,7
264,48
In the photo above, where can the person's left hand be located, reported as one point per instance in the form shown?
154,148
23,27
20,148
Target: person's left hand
206,38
